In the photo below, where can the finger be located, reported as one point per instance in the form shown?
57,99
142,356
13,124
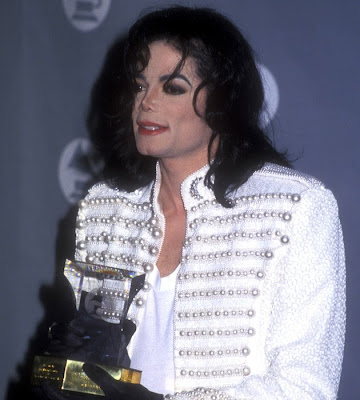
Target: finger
76,326
129,330
72,340
112,388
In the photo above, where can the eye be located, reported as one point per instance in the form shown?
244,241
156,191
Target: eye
173,89
139,87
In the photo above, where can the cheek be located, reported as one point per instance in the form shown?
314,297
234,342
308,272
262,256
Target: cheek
184,112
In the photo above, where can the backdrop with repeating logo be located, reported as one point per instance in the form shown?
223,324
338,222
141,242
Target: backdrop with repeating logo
52,52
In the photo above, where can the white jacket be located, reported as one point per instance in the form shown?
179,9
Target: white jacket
260,295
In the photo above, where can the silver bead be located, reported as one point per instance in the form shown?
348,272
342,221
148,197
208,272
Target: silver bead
286,216
157,233
140,302
81,245
153,250
245,351
246,371
285,239
80,224
268,254
295,198
251,331
153,221
148,267
145,206
83,203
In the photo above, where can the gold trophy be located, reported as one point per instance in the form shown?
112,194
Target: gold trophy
102,297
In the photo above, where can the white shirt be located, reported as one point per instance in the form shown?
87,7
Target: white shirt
152,343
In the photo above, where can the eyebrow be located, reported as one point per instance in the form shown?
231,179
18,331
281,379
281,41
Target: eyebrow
164,78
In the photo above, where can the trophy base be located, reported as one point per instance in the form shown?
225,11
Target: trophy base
69,375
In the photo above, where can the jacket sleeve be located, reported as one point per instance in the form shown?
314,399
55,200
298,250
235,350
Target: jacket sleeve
305,338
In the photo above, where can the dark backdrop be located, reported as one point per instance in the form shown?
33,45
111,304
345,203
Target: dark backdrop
51,53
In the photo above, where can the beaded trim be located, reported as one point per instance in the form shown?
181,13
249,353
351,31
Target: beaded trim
234,219
236,331
292,197
204,352
194,192
216,373
220,292
205,257
210,314
101,201
220,274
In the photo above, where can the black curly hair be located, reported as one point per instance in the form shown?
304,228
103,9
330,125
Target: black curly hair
235,99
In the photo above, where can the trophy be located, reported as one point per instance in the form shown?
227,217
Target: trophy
102,297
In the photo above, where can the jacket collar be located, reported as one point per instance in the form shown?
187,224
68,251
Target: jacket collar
193,189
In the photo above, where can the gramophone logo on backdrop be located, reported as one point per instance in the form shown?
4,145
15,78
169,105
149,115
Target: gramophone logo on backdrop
271,95
86,15
79,166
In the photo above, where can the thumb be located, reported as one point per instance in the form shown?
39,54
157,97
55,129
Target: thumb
98,375
112,388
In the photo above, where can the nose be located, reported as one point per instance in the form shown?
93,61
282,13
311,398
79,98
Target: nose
150,100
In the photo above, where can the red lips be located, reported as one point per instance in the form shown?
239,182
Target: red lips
150,128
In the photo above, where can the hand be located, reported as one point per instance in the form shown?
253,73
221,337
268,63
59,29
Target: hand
88,339
66,338
116,390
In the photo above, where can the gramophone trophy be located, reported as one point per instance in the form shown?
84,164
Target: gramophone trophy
102,297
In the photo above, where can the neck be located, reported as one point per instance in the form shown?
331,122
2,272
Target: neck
172,176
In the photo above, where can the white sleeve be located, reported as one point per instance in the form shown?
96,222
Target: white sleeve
306,336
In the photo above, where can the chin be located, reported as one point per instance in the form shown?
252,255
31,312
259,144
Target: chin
149,152
152,151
